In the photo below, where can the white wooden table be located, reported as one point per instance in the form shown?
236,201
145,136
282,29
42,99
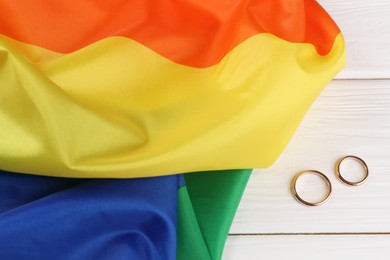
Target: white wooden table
352,116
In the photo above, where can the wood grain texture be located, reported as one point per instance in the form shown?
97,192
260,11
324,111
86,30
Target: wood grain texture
308,247
366,29
350,117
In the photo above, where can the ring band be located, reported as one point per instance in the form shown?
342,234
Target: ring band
304,202
352,183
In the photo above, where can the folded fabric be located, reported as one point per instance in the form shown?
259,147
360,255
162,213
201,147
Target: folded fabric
61,218
98,219
206,212
122,89
145,88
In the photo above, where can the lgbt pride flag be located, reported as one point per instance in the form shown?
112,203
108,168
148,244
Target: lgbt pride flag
134,112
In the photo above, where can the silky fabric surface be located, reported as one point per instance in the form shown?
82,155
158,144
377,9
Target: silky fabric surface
56,218
62,218
147,88
189,32
124,89
207,205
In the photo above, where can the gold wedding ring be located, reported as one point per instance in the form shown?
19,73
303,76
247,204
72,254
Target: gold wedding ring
307,203
352,183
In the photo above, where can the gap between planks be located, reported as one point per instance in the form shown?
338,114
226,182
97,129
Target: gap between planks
313,234
356,79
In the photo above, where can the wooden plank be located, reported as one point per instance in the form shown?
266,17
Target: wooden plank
357,247
350,117
366,29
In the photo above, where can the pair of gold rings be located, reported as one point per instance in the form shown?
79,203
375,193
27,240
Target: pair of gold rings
327,181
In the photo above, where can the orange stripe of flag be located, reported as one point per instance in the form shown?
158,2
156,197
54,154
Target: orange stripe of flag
190,32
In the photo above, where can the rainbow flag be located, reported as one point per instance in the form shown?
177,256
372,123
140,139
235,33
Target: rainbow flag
98,96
